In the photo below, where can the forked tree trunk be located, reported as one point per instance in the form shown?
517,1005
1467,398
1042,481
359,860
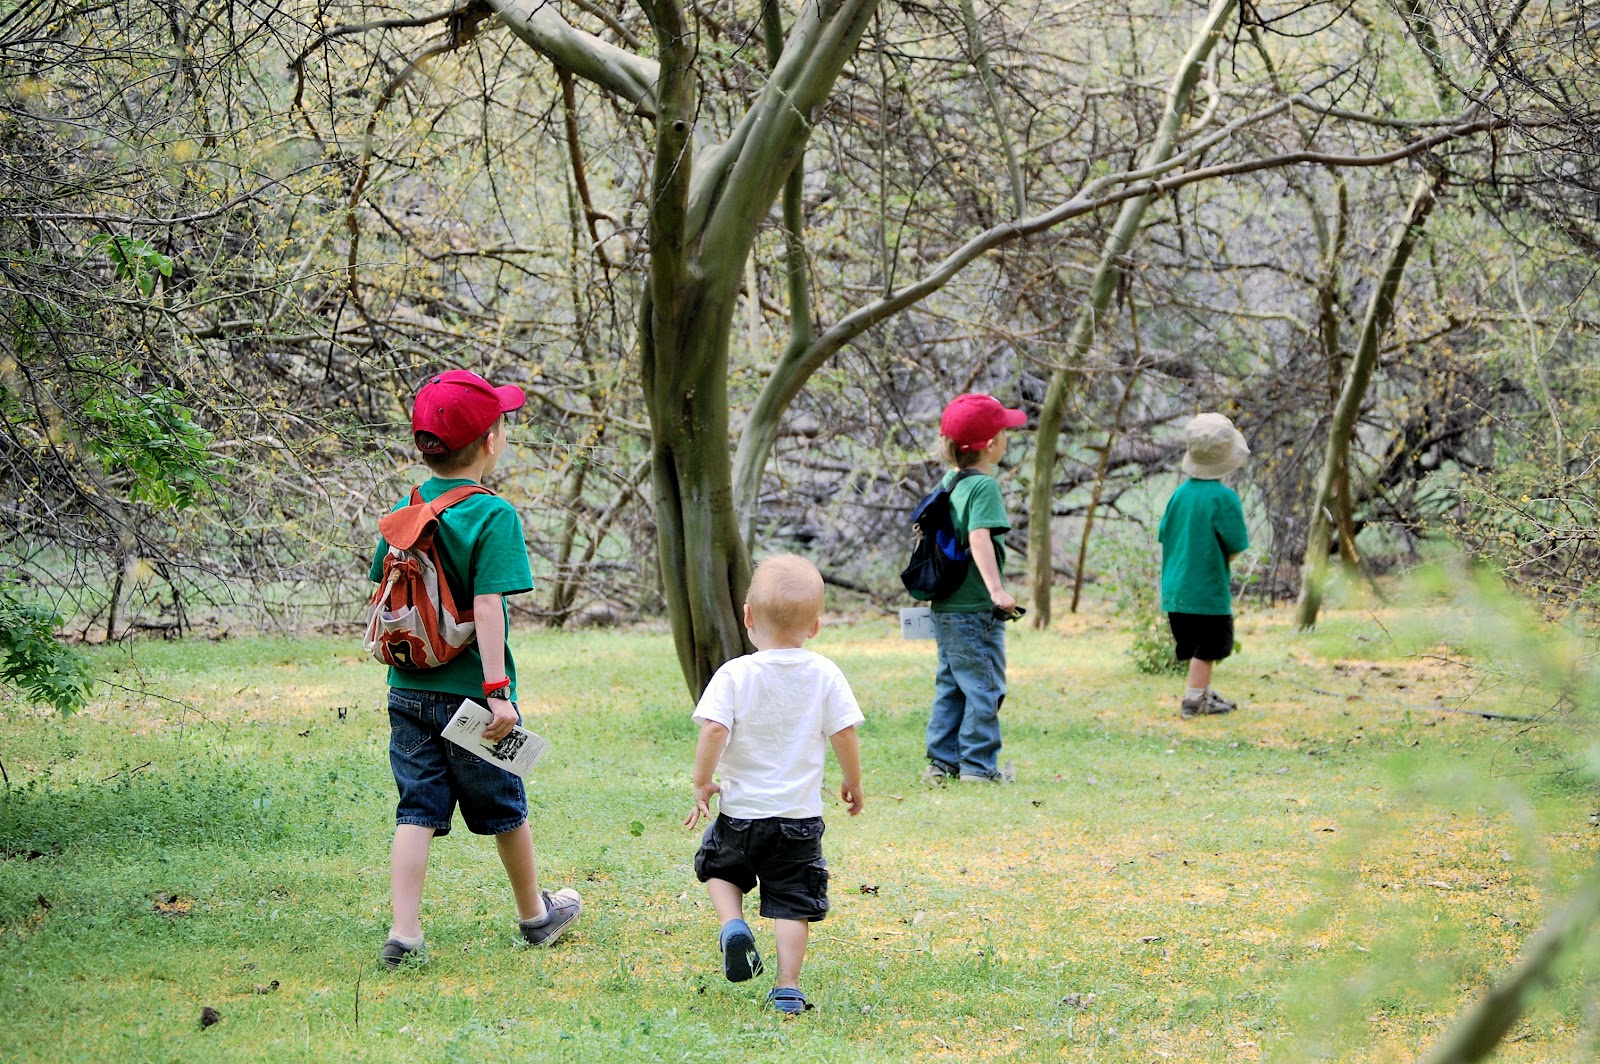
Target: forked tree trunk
1336,459
703,220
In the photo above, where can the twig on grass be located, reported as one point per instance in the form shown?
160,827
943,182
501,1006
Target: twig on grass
144,692
1447,661
129,771
1377,621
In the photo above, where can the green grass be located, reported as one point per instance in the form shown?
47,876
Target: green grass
1336,870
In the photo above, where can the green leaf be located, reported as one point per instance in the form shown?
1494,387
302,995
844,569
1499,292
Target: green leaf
34,662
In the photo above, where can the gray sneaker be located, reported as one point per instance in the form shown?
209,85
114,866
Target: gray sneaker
1208,704
936,775
395,953
1007,774
560,909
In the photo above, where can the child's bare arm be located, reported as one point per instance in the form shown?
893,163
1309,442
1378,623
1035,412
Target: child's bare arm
491,620
713,739
847,748
981,543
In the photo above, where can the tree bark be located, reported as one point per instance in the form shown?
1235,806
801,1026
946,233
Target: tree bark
1101,287
1335,462
703,218
761,425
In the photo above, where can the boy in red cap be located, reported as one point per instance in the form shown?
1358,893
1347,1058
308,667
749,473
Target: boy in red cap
458,423
970,686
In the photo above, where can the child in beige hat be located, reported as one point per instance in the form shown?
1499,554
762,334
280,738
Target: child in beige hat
1201,532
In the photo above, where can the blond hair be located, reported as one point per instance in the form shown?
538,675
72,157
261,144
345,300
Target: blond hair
786,594
953,455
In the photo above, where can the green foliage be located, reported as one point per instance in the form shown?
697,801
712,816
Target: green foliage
37,664
1151,649
153,437
1134,572
135,260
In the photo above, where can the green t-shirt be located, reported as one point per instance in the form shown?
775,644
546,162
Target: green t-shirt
480,542
975,503
1203,527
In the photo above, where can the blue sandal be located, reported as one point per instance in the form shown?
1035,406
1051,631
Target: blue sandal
788,1000
740,960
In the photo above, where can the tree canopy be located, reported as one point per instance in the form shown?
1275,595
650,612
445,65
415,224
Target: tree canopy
740,253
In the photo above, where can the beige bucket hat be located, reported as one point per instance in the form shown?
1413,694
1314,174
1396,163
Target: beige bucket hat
1216,448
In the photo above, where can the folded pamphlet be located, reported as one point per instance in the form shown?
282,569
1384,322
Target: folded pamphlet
916,622
518,752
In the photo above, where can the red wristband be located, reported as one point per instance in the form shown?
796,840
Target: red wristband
499,685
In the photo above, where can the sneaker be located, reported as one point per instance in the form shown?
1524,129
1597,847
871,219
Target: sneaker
1007,774
936,775
395,953
1206,705
560,909
740,958
1212,696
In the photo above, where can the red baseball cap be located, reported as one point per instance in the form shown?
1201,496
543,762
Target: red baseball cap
974,420
458,407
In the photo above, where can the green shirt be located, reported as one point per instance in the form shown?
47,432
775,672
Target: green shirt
480,542
975,503
1201,529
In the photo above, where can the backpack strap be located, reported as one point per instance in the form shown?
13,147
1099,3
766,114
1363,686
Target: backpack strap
453,496
961,474
404,527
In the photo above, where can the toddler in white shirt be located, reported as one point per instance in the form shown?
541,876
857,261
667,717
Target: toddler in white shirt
763,721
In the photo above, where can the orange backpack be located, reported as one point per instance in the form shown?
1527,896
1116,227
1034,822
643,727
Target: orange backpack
413,622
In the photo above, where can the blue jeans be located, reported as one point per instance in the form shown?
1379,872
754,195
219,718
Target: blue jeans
970,687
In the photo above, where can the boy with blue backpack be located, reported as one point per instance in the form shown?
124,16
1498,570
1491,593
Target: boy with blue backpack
969,602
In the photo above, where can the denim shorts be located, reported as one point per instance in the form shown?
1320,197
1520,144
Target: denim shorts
434,774
783,855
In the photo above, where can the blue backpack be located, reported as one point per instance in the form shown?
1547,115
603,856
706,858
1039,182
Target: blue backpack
938,562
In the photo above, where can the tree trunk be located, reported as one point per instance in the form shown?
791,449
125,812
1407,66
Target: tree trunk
1101,287
703,220
705,568
1335,462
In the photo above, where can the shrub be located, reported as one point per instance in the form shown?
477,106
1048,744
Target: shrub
34,662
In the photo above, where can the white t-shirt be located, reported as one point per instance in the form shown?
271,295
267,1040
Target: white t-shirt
780,707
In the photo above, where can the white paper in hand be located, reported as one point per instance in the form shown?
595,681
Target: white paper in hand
517,752
916,622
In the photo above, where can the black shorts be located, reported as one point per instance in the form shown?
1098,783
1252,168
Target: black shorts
783,855
1207,636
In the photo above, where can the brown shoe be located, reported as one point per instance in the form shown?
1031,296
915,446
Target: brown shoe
1206,705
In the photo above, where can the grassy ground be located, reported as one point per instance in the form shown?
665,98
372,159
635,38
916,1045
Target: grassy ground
1332,872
